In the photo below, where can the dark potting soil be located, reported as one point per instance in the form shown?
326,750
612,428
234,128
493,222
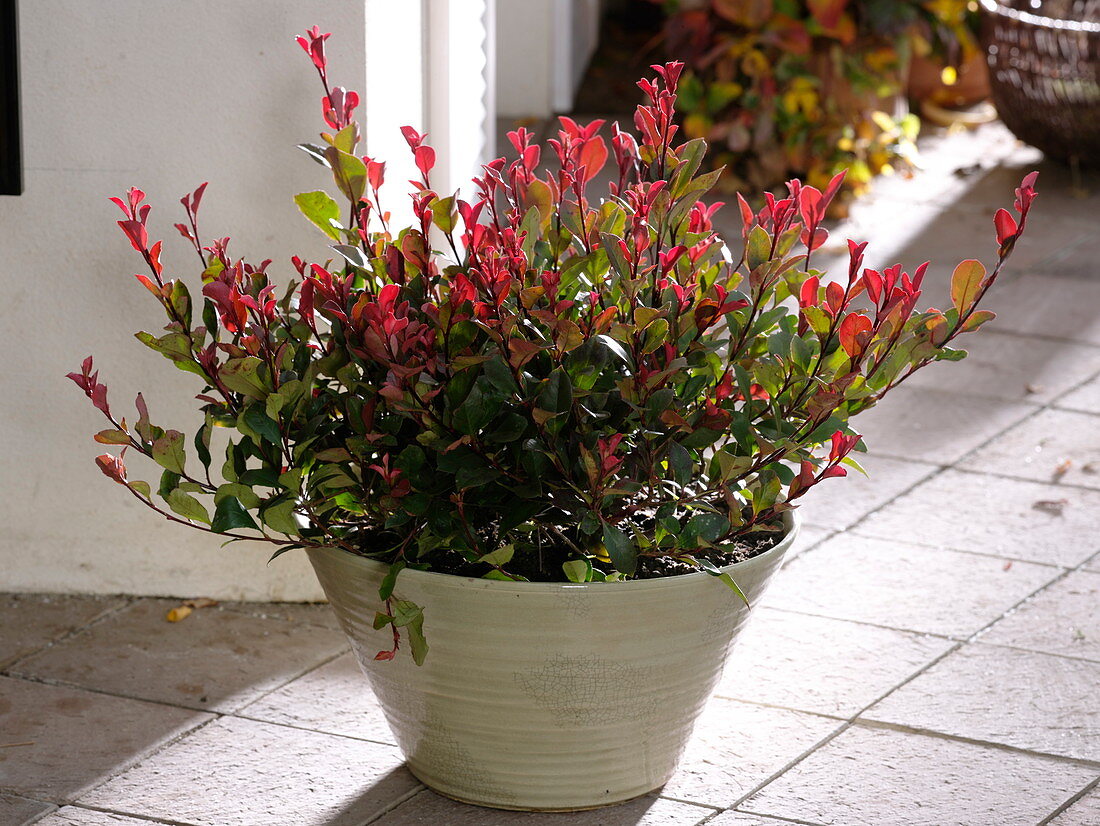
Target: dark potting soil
548,569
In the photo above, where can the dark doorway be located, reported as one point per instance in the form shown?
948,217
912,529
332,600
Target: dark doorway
11,154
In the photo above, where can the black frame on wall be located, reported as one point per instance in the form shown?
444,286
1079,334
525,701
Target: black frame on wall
11,140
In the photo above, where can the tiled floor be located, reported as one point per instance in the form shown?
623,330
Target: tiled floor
930,655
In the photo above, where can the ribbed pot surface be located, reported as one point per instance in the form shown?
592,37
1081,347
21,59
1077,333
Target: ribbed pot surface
546,696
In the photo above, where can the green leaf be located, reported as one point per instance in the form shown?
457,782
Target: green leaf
349,172
410,616
417,642
708,526
229,514
187,506
280,517
724,577
385,590
656,334
966,282
169,481
577,570
346,139
476,411
168,451
141,487
353,255
244,493
977,319
759,248
620,548
444,214
242,376
557,395
474,476
254,417
322,210
112,437
680,463
202,444
501,556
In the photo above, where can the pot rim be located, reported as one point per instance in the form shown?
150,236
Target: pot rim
792,521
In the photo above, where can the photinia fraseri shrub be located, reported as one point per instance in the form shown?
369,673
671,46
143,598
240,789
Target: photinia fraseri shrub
531,381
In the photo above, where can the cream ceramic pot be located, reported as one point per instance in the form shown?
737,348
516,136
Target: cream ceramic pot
546,696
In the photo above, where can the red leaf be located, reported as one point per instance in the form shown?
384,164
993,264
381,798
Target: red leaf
112,467
808,296
593,157
1005,225
853,330
425,159
137,234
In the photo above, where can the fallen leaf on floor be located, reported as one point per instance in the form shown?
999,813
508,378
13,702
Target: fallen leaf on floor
967,171
1052,506
1090,468
1062,470
1007,566
180,612
1034,388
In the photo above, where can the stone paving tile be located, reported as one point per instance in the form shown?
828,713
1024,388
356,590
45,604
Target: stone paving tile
430,809
931,426
75,816
891,583
992,148
1012,367
1061,619
1077,260
16,811
317,613
1000,695
838,503
962,233
31,621
335,699
1085,398
737,746
868,777
821,665
733,818
1085,812
78,738
808,537
236,772
990,514
1050,305
213,659
1041,447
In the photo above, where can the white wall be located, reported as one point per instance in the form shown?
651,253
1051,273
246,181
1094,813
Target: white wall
543,50
161,95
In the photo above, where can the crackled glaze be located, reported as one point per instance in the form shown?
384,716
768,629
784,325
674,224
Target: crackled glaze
549,696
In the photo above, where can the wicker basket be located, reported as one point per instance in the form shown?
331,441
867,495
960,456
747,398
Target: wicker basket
1044,66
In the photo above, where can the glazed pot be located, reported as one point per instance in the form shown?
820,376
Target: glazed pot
546,696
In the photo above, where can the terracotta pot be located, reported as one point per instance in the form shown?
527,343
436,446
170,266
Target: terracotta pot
546,696
972,86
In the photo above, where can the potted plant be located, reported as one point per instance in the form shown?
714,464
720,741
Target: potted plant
558,438
948,77
797,88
